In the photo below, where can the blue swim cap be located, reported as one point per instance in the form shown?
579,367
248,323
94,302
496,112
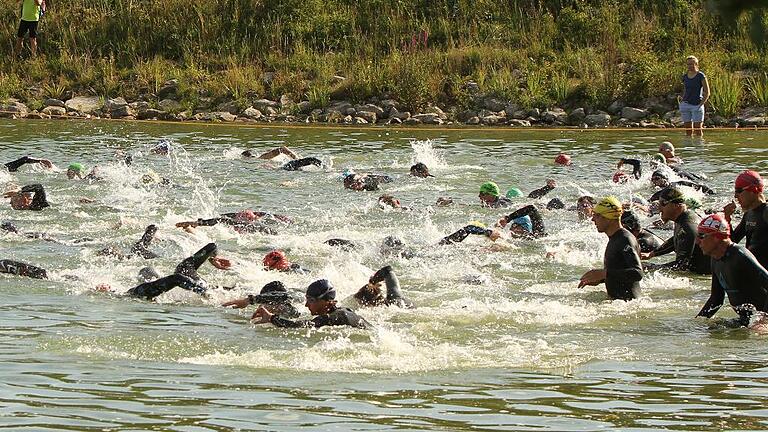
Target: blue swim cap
525,222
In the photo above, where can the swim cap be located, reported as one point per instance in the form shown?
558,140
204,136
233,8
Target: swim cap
514,192
392,242
274,286
245,216
630,221
321,289
489,188
421,168
525,222
76,167
750,181
609,208
672,194
715,224
276,260
620,177
660,174
347,172
666,146
555,204
477,224
660,158
563,159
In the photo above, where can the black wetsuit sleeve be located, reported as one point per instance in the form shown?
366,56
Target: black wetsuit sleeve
189,266
540,192
294,165
227,218
21,269
394,295
655,196
666,247
14,166
141,247
698,186
716,298
637,169
536,220
39,200
463,233
739,232
287,323
150,290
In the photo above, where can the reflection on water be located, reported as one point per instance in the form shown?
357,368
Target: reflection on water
502,338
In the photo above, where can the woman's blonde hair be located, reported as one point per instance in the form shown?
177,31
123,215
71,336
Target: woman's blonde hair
694,58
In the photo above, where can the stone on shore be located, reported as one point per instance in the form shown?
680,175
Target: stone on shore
85,104
263,104
55,111
437,111
554,115
13,109
54,102
599,119
633,114
252,113
577,116
368,116
428,118
168,90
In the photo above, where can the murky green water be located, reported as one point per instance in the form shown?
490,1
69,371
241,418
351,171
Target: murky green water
502,338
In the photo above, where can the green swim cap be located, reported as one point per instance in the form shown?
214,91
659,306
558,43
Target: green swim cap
489,188
514,192
76,167
660,158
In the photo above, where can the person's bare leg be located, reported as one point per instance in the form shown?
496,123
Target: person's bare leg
688,128
33,46
19,46
698,129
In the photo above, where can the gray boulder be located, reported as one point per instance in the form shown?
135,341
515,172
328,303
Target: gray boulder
554,115
752,121
412,121
85,104
474,120
114,104
437,111
388,104
224,116
428,118
54,102
168,105
168,90
633,114
576,116
494,104
492,120
394,121
55,111
229,106
464,116
150,113
38,115
400,115
535,113
368,116
371,108
615,107
519,123
263,104
13,109
121,112
304,107
252,113
360,120
600,119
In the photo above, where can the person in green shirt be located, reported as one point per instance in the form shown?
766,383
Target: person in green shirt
30,15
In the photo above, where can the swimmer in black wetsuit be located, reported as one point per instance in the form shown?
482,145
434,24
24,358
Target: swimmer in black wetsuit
297,164
14,166
661,179
10,227
273,296
30,197
343,244
321,302
520,227
365,182
271,154
490,196
420,170
371,295
735,272
754,225
622,271
22,269
246,221
688,255
276,260
140,248
647,240
475,228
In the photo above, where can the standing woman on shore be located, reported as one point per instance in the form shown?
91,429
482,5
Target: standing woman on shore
695,95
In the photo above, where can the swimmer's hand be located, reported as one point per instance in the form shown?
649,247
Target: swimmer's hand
237,304
494,235
647,255
261,316
46,163
728,210
185,225
102,287
551,183
502,222
220,263
592,277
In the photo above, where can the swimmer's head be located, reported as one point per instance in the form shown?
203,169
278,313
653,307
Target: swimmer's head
276,260
749,181
521,226
667,150
659,159
514,193
563,159
245,216
420,170
714,224
489,192
75,170
660,178
321,296
9,226
247,154
370,295
620,177
274,286
609,207
162,148
555,204
630,221
585,205
390,201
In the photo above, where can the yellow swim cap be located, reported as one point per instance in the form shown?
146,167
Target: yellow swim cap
609,208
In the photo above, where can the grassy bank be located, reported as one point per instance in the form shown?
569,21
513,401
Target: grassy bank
536,53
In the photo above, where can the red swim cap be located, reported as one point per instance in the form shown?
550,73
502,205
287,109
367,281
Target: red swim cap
276,260
563,159
715,224
620,177
245,216
750,181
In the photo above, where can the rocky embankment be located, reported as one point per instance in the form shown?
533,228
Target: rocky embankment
487,111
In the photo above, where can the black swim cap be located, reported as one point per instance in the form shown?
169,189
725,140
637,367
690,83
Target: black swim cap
555,204
321,289
392,242
630,221
274,286
660,174
9,226
247,153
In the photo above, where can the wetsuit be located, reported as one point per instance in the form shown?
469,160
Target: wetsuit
537,221
338,316
501,202
39,200
21,269
738,274
463,233
688,255
342,244
697,186
279,301
623,270
297,164
540,192
12,228
754,226
243,227
152,289
648,241
189,266
14,166
637,170
140,248
367,182
394,296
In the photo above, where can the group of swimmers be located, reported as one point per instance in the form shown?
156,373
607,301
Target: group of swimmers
702,245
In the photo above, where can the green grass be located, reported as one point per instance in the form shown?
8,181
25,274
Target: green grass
758,89
726,95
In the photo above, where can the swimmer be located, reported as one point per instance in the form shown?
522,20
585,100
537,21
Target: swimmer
387,200
420,170
660,179
735,272
14,166
245,221
748,191
283,150
392,246
321,302
475,228
520,226
365,182
371,295
21,269
584,207
189,266
140,248
563,159
489,196
276,260
668,151
345,245
77,170
10,227
162,148
30,197
688,255
273,296
622,270
297,164
647,240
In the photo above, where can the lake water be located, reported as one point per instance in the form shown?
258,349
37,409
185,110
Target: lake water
502,338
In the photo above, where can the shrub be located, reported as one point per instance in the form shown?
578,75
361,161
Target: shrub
726,92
